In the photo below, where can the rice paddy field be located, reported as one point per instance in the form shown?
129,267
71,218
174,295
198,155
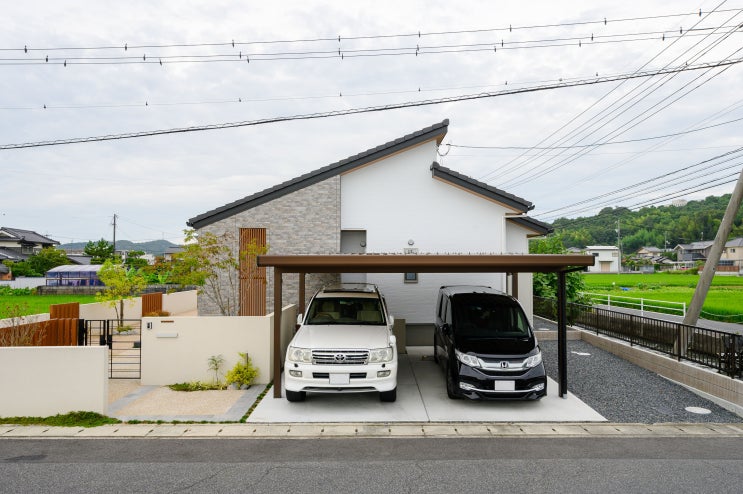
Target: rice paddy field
37,304
724,301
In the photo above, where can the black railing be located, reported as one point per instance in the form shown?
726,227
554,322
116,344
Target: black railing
717,349
123,338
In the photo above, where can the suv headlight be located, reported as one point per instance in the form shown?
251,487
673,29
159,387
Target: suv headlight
533,361
466,359
296,354
380,354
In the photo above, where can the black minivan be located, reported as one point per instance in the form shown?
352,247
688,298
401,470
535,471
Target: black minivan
486,346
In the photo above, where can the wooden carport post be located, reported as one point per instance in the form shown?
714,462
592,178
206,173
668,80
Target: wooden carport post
562,333
277,282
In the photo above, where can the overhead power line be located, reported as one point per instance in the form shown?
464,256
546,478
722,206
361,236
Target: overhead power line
606,143
339,38
370,109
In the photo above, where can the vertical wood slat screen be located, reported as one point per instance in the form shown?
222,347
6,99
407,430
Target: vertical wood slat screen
64,311
252,278
151,303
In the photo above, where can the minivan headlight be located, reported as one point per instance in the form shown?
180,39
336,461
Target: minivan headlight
533,361
296,354
380,354
466,359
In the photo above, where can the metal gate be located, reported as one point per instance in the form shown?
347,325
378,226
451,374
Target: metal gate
124,340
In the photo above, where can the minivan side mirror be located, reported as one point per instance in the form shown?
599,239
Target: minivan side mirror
446,329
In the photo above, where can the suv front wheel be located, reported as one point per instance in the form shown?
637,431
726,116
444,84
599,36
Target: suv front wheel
388,396
295,395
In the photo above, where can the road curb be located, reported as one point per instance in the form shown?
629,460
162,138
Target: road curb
371,430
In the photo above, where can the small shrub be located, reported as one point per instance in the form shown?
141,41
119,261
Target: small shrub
195,386
157,313
243,372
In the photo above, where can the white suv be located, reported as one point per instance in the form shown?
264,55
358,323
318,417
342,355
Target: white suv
344,344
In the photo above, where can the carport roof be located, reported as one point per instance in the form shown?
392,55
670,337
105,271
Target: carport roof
426,263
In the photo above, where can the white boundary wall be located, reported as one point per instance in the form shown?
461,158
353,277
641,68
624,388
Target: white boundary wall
176,349
43,381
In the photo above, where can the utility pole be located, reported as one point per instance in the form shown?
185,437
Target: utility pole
619,244
114,223
710,266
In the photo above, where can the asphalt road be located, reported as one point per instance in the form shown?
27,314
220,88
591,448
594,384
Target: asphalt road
603,464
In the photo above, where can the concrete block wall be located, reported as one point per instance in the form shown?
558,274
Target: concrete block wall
306,221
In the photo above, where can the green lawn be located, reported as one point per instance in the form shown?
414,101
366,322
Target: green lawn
39,304
724,300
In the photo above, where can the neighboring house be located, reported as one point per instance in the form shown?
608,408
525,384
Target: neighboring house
18,245
731,259
649,252
5,274
394,198
74,275
171,251
695,251
79,258
733,250
607,258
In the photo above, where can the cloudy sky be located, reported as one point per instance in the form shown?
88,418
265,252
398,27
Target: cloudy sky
72,70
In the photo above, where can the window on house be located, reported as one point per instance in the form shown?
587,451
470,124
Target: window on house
410,277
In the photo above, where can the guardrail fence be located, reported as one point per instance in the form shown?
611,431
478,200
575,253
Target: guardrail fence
716,349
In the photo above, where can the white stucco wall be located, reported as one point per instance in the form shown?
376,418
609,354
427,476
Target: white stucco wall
44,381
176,349
397,200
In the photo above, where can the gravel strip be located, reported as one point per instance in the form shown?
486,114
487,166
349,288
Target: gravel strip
624,392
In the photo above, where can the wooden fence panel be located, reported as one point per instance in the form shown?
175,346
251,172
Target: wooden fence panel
152,303
65,311
54,332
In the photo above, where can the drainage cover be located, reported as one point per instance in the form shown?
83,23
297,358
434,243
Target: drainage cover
699,410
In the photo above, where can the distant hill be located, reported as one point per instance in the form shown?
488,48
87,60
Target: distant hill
154,247
655,226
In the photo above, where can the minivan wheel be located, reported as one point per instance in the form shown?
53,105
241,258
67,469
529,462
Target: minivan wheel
388,396
451,390
295,395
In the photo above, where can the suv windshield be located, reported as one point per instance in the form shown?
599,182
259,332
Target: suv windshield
485,316
345,310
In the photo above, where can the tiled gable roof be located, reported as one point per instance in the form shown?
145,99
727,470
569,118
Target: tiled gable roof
29,236
481,188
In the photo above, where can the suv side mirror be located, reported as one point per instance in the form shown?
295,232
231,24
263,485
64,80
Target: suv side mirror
299,319
392,320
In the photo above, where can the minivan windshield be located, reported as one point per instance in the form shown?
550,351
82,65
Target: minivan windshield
345,310
486,316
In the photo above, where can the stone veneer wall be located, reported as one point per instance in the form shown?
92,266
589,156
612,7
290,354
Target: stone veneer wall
307,221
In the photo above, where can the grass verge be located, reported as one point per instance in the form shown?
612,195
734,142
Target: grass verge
71,419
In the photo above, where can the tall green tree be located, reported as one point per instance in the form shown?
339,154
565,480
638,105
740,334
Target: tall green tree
99,251
211,262
545,284
41,262
134,259
121,284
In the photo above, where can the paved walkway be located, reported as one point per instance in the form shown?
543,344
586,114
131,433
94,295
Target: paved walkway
727,327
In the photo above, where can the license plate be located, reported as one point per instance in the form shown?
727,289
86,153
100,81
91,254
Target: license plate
340,378
504,385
